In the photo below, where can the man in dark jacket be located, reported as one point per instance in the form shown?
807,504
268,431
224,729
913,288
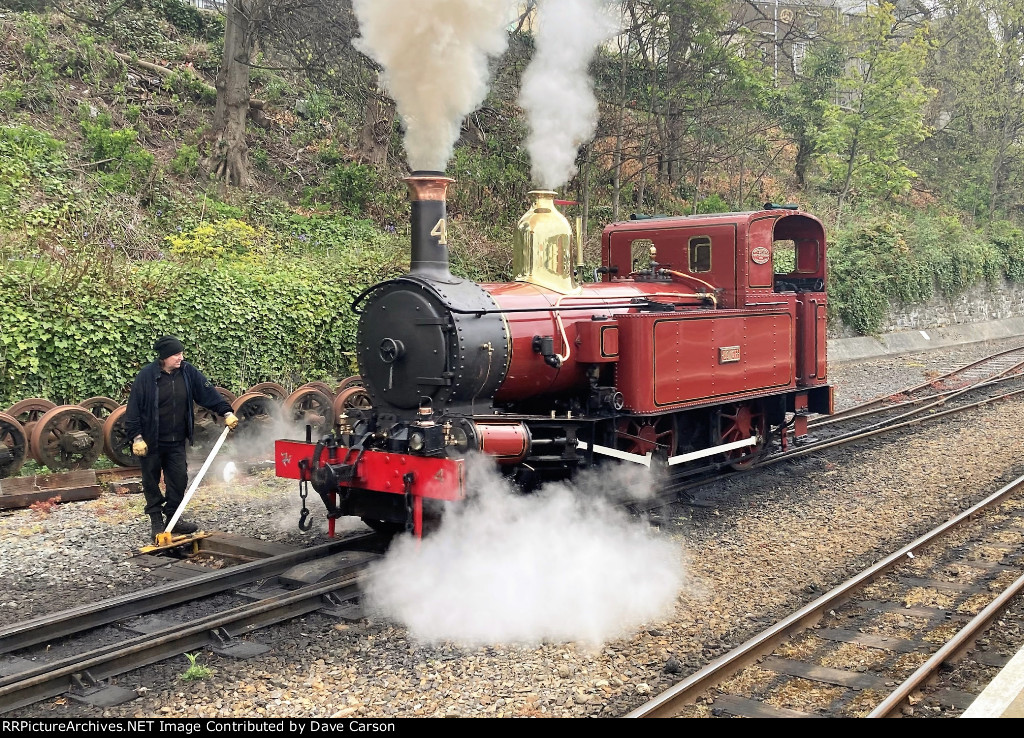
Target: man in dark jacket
160,418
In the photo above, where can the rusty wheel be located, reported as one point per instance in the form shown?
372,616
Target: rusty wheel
309,406
353,381
275,390
227,394
13,445
641,435
27,412
101,407
256,413
208,425
353,397
67,437
116,443
322,386
737,422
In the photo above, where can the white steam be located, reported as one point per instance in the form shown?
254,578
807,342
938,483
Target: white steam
434,54
557,92
553,566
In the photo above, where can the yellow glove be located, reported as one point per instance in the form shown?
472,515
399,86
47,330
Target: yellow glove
231,421
139,447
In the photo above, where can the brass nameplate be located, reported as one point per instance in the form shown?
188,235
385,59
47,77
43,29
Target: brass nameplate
728,354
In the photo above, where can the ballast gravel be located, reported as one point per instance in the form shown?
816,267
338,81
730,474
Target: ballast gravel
754,550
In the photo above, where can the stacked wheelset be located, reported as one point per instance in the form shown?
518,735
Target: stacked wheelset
66,437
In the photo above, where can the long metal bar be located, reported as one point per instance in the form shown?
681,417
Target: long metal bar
752,441
195,482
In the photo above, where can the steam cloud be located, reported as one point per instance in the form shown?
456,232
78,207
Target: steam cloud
553,566
557,93
434,54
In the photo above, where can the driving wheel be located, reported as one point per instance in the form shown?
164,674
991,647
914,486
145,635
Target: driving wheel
116,443
738,422
13,445
227,394
641,434
67,437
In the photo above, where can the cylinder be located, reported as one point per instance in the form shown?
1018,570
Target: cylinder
508,443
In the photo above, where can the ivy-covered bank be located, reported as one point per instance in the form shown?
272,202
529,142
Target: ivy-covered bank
67,337
911,258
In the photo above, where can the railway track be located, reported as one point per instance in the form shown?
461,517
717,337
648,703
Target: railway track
76,650
871,646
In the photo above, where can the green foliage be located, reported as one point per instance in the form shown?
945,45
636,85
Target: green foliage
224,239
713,203
116,154
1008,238
195,670
894,258
879,113
186,161
35,193
244,321
190,20
349,187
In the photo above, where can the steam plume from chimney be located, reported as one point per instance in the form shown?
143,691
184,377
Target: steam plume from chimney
434,54
557,92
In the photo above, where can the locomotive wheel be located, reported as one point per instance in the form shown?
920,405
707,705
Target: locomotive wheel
207,427
309,406
256,413
322,386
67,437
101,407
353,397
227,394
116,443
354,381
736,423
641,435
272,389
13,445
28,412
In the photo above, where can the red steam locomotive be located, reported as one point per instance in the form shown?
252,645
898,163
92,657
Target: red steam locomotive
702,343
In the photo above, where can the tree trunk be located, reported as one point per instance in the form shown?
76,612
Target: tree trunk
378,124
228,158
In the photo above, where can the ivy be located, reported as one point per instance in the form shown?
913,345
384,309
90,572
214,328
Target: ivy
241,322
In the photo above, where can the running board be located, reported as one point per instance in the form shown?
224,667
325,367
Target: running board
615,453
682,458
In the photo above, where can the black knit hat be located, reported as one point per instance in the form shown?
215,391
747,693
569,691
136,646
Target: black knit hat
168,346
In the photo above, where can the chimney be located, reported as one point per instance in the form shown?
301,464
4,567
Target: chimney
429,225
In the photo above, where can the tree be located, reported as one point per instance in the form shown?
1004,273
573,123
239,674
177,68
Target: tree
880,111
228,157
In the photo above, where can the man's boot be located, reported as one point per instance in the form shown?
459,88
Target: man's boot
183,525
157,522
